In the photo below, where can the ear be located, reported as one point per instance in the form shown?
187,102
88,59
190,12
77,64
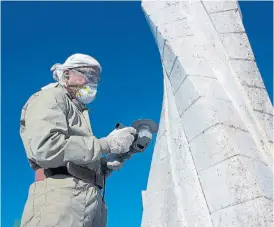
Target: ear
66,74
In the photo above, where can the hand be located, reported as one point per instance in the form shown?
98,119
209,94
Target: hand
114,162
110,163
120,140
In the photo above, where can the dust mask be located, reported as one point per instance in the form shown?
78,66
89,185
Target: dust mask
86,93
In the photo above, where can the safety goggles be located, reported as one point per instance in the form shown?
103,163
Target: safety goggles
90,76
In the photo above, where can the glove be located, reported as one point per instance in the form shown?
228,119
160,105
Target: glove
111,163
114,162
120,140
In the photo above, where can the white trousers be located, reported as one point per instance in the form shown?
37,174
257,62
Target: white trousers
62,201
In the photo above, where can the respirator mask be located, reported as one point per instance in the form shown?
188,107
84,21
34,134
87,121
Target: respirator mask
87,93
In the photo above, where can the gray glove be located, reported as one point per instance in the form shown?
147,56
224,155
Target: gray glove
114,162
120,140
111,163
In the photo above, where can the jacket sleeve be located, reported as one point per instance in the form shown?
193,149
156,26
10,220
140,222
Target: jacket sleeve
49,139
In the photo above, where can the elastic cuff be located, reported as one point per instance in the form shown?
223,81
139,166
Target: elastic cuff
104,145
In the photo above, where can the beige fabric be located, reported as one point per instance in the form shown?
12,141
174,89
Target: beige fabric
56,131
64,201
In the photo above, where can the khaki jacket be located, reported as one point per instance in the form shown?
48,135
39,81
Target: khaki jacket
56,130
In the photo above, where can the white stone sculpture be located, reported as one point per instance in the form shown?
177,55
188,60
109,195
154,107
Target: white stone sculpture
212,162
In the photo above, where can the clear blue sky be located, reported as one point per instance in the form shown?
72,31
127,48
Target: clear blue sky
35,35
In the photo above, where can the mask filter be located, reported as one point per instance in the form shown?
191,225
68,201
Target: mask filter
87,93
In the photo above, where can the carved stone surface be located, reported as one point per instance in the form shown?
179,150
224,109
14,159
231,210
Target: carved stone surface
212,161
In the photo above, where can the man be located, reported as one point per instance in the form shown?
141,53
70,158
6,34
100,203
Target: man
64,153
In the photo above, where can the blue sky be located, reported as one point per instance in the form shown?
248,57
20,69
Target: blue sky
35,35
